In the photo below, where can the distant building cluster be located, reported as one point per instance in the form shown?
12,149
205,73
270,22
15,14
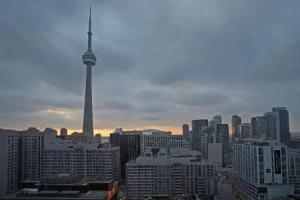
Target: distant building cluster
259,161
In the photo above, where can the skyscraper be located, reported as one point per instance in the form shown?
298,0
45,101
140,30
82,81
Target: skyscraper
258,127
89,59
222,135
272,126
186,132
32,142
285,134
244,131
197,126
235,121
130,145
217,119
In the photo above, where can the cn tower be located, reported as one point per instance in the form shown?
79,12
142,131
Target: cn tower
89,59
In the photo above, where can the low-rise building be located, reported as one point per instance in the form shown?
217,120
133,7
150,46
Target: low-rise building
65,186
165,140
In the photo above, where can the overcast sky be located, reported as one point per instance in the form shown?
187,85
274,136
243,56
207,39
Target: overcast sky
160,63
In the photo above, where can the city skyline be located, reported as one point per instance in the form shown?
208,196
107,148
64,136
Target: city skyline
144,69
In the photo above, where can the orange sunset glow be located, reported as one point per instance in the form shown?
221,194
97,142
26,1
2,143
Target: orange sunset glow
105,132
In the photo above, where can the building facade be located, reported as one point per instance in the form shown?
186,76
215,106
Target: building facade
32,143
197,127
244,131
9,167
258,127
130,146
222,136
167,141
284,126
86,160
186,132
169,176
260,170
235,122
294,168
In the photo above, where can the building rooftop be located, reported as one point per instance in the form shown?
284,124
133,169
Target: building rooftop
184,156
71,145
56,194
65,186
259,142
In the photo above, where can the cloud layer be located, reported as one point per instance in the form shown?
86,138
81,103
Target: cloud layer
160,63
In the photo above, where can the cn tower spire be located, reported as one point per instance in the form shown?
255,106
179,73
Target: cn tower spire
90,30
89,59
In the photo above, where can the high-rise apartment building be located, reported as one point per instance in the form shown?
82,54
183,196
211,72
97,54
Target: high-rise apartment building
294,168
260,170
130,146
9,167
32,143
86,160
170,175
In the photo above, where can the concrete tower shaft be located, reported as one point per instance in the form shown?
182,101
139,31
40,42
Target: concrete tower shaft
89,59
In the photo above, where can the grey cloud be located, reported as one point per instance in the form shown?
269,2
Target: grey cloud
159,62
204,99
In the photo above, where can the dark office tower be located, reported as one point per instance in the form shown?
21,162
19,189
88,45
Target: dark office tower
129,143
186,132
272,126
258,127
235,122
222,136
285,134
63,132
114,139
197,125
